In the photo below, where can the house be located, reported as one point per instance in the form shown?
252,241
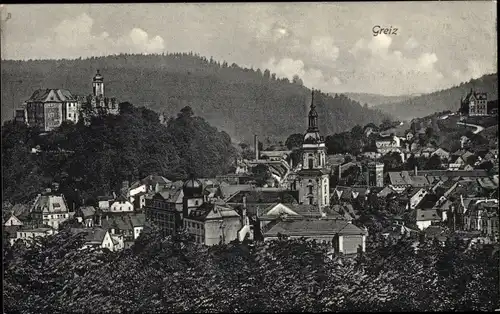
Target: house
86,215
386,191
426,217
121,205
443,154
387,144
275,155
124,228
47,109
96,238
151,183
474,104
29,235
400,181
399,230
13,221
345,237
104,202
416,195
50,208
409,136
211,224
228,190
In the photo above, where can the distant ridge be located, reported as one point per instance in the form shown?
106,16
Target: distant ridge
237,100
448,99
373,100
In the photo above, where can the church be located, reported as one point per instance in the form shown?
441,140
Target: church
312,180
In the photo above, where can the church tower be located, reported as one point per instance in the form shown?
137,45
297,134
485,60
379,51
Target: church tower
313,179
98,85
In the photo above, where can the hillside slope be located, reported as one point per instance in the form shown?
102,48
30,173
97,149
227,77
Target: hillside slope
241,102
373,100
448,99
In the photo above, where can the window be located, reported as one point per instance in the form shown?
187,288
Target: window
310,189
310,200
69,115
311,163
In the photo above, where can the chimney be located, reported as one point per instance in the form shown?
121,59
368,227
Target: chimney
55,186
340,172
244,212
125,184
415,171
256,145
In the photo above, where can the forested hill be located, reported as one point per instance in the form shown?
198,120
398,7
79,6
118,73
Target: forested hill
373,100
448,99
240,101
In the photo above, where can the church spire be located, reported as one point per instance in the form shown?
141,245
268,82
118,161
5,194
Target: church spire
313,116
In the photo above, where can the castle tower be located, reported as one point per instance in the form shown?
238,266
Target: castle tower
98,85
376,174
313,179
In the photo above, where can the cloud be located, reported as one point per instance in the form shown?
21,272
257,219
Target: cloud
74,38
387,70
312,78
474,70
323,49
411,44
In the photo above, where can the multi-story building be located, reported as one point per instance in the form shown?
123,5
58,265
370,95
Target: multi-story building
388,144
213,223
313,179
50,208
47,109
164,209
474,104
483,217
375,174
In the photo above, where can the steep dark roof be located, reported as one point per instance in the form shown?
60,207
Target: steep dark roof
61,95
310,227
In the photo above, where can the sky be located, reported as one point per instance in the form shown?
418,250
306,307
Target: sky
331,46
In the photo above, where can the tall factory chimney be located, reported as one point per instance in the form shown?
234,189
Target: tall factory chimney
256,145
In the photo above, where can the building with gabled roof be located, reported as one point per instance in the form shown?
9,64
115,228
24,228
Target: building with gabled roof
95,238
50,208
13,221
426,217
345,237
47,108
474,104
213,223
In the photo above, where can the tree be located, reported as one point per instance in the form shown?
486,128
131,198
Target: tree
434,162
294,141
267,74
297,80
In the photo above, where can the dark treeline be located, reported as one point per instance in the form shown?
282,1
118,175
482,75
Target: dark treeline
227,95
159,275
92,160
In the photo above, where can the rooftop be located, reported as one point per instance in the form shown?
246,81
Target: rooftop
311,227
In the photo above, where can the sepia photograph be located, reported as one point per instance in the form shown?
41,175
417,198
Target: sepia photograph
250,157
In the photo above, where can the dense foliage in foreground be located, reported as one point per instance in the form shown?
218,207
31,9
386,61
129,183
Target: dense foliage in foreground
171,274
95,159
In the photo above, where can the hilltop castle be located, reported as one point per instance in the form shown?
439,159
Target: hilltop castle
48,108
